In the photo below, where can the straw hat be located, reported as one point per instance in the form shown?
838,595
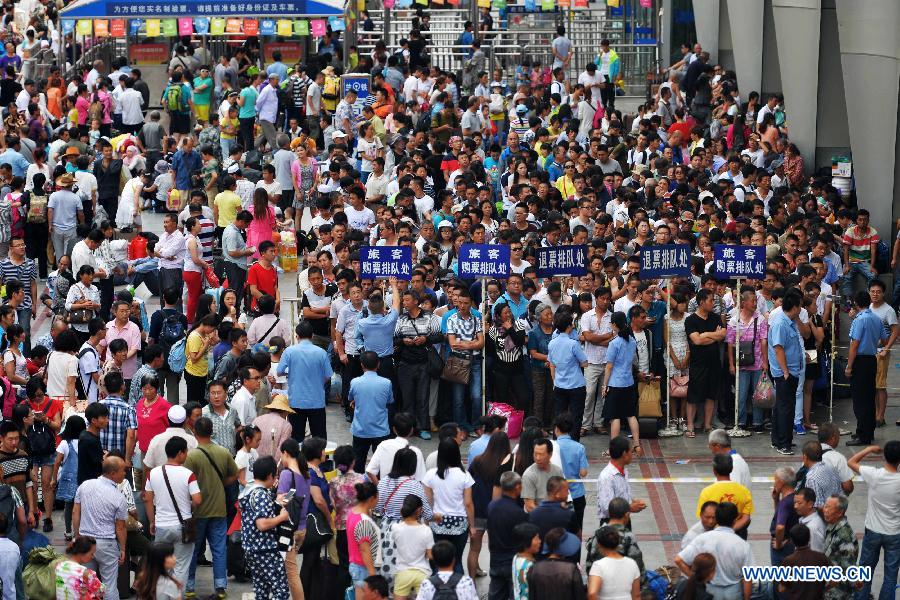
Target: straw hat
280,402
72,151
65,180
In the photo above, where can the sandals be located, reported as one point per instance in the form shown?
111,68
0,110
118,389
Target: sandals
690,433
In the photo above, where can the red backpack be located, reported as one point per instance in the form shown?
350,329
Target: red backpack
8,395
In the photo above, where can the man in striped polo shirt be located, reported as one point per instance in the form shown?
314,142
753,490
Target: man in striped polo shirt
17,266
860,249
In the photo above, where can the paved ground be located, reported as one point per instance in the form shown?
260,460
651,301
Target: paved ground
671,504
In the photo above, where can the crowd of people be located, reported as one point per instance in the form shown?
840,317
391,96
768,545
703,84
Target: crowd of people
257,165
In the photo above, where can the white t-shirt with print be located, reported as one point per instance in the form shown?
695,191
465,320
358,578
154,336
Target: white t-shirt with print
184,485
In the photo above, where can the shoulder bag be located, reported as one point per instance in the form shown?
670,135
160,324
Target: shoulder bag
434,361
188,526
747,350
318,532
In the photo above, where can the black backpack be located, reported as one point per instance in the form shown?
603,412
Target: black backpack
41,439
445,590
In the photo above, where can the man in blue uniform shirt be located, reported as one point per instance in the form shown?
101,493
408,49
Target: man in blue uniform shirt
866,332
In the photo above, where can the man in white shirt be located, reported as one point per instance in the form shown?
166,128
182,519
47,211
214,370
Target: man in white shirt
596,332
805,505
24,97
882,512
172,492
720,443
170,251
383,458
731,554
130,102
830,437
89,359
706,523
592,82
244,400
613,480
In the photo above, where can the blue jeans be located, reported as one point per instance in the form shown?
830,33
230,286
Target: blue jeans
212,530
464,420
358,574
863,268
798,399
748,381
868,556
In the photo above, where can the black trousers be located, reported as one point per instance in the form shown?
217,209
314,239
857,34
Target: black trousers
862,390
349,372
196,388
608,95
415,386
316,419
110,205
169,278
107,291
571,401
510,386
783,416
246,132
361,447
237,278
501,580
36,237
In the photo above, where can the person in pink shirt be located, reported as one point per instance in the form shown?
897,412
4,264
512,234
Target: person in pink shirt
83,105
152,412
122,328
263,224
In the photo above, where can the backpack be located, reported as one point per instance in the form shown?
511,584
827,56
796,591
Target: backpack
332,88
8,508
41,438
172,330
882,257
37,209
445,590
96,109
175,101
178,356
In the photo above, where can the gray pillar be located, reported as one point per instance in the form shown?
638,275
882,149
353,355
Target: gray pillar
665,31
797,24
706,20
869,56
746,20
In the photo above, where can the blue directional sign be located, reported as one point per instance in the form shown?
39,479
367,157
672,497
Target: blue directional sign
379,262
747,262
361,84
561,260
483,260
670,260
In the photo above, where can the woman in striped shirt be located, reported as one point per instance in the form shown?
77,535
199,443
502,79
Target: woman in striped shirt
392,490
508,338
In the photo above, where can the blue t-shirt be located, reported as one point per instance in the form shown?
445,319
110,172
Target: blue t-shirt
248,110
620,353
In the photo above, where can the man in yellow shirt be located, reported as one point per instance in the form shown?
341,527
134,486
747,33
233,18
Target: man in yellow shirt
226,205
725,490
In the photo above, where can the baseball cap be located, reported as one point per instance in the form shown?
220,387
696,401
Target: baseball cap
521,109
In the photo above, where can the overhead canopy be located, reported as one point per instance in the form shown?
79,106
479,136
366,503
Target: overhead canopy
113,9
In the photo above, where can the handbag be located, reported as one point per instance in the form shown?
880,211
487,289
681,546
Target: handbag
81,316
649,396
457,369
189,525
747,350
678,386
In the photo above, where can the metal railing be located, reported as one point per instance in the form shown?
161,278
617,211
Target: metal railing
529,35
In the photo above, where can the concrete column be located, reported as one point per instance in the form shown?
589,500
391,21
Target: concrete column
797,24
706,20
869,57
746,20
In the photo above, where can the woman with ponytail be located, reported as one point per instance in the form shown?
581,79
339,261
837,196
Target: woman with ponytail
619,388
343,495
294,476
73,578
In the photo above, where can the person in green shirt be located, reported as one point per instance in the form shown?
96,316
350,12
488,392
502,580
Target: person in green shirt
203,88
247,110
216,474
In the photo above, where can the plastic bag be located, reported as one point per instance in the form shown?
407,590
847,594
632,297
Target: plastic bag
764,394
